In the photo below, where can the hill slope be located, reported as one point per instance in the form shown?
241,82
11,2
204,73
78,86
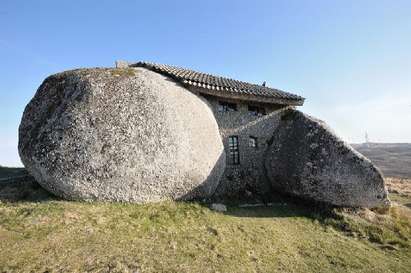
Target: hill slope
7,173
394,159
40,233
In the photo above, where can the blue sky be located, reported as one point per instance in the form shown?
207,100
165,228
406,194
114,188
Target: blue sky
350,59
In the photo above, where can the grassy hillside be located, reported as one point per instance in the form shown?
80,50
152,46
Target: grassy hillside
6,172
40,233
394,159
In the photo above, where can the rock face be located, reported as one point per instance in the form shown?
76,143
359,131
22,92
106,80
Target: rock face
120,134
306,159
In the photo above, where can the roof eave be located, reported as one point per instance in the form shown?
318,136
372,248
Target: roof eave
297,101
245,97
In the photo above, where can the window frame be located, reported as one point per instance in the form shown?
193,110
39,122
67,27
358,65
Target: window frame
225,106
233,150
253,142
256,110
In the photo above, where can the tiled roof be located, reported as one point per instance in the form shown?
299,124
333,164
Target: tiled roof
221,86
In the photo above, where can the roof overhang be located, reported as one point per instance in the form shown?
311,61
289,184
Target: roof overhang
245,97
223,87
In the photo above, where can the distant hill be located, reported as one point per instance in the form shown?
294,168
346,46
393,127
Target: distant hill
394,159
6,172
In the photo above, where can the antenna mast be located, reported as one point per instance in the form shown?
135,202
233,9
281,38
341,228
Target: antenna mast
367,140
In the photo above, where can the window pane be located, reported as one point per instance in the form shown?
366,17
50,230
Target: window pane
226,106
234,154
252,142
256,110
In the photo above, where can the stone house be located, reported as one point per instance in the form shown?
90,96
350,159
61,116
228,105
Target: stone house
146,132
247,115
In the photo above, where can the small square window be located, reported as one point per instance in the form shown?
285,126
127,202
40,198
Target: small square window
256,110
252,142
224,106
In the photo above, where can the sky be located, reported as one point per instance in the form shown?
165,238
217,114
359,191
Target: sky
350,59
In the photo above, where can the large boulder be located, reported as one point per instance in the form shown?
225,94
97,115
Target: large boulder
122,135
306,159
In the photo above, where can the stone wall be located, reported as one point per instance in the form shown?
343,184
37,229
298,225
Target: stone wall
246,180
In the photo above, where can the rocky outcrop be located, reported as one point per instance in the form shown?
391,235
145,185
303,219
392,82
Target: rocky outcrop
120,134
306,159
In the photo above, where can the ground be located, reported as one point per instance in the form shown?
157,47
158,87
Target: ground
394,159
40,233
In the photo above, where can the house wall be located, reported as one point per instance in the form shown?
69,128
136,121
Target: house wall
246,180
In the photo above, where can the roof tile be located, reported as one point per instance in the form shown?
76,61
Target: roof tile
207,81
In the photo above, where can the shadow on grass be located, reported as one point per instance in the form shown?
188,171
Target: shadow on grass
23,188
274,210
28,190
281,205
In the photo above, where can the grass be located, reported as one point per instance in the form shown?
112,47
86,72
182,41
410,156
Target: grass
401,199
39,233
123,72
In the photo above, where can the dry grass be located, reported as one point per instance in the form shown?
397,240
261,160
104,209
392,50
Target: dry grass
400,186
400,194
39,233
60,236
123,72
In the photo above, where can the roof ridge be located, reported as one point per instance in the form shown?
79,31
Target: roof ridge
221,83
205,73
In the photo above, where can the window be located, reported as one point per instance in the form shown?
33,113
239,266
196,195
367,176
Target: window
256,110
252,142
233,150
224,106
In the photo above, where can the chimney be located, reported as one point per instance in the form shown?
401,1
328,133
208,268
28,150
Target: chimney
121,64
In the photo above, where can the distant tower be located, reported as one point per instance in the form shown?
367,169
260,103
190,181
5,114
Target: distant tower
263,83
367,140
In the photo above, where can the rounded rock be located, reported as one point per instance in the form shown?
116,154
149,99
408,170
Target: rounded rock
120,135
308,160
